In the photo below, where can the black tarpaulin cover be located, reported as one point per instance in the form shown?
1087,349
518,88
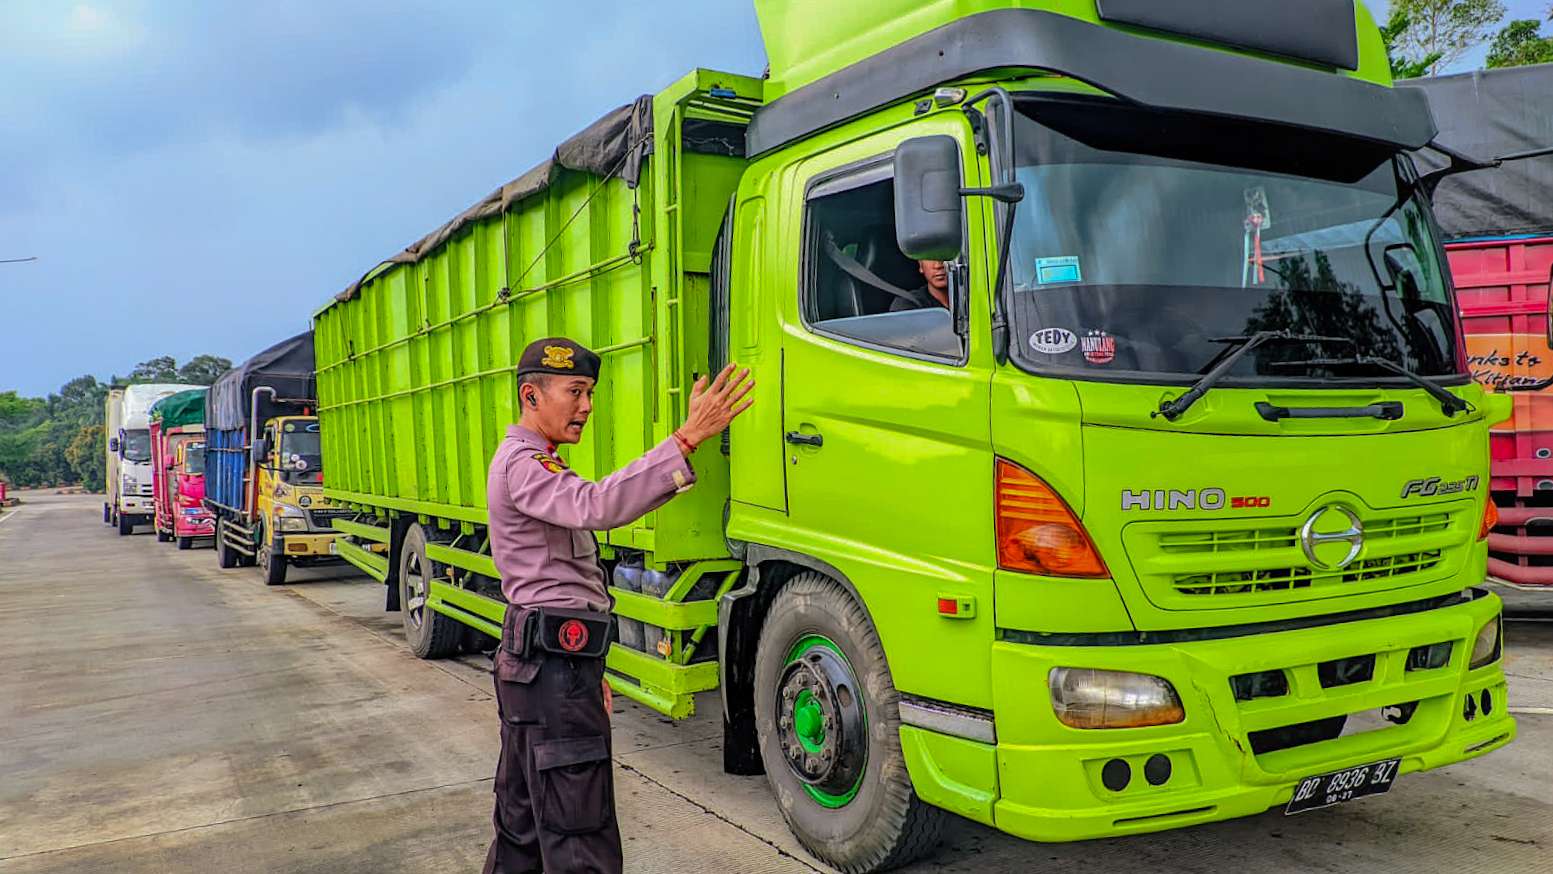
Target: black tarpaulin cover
286,367
1485,115
616,143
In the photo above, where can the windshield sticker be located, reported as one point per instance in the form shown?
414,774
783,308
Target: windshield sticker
1099,347
1064,269
1053,341
1259,217
290,427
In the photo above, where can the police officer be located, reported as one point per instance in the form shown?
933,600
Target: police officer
555,804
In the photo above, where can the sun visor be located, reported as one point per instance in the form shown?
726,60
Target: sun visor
1320,31
1158,73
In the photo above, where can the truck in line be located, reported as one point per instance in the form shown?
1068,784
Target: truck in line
178,469
263,464
127,417
1498,227
1175,513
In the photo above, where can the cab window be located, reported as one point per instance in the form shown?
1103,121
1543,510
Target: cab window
857,285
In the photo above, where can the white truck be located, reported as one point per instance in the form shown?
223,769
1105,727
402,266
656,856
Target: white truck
127,425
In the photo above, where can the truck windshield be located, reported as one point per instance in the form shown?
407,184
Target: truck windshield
301,455
194,460
1147,241
137,445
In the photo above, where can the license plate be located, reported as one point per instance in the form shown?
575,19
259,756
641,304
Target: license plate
1346,785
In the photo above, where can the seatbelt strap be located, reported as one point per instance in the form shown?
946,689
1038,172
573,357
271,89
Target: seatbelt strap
852,268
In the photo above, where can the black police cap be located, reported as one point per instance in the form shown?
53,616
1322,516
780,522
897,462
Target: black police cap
558,356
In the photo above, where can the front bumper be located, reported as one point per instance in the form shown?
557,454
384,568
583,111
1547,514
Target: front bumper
1047,777
301,545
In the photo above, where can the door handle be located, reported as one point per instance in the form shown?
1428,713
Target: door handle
799,438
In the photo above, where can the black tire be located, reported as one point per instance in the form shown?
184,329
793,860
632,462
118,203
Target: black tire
272,565
126,527
429,634
185,543
876,822
163,536
226,556
107,514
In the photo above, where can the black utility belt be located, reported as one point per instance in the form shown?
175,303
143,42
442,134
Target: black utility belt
577,633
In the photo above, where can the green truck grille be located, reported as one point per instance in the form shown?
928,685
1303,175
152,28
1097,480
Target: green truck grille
1211,563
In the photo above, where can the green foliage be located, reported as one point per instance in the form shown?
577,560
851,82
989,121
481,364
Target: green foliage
1520,43
1443,29
1402,67
163,368
59,440
203,369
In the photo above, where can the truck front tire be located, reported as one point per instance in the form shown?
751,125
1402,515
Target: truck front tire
271,564
429,634
126,527
827,715
185,543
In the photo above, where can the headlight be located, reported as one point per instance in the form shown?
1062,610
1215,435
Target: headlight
289,518
1485,650
1088,698
128,484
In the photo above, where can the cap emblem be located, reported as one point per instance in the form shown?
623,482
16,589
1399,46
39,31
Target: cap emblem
559,357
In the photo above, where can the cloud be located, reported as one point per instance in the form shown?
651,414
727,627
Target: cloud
201,177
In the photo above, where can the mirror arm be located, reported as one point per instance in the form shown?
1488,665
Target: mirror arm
1008,192
1461,163
1006,186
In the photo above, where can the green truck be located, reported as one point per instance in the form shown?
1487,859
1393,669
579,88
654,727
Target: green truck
1171,510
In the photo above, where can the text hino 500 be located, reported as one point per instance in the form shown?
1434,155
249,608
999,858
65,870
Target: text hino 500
1175,512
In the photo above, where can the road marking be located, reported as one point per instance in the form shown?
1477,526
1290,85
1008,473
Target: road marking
6,516
1533,711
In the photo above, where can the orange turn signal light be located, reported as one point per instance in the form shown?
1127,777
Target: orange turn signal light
1037,532
1490,518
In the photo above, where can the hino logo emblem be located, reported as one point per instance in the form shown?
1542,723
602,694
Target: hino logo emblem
1318,531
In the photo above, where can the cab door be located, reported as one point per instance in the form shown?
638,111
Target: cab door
885,420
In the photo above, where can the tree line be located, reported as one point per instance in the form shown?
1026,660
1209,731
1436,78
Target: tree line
59,439
1423,37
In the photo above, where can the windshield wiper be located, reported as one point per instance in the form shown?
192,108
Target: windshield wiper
1240,347
1450,405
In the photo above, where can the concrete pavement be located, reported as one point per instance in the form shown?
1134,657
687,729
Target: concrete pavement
159,714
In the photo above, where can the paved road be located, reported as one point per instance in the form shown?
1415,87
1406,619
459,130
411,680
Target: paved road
158,714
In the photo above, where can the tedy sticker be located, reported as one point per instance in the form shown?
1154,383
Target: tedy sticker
1099,347
1053,341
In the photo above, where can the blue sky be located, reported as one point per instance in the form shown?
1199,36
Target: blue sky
199,177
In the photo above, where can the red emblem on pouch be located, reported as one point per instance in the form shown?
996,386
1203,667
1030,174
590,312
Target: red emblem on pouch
573,635
1099,347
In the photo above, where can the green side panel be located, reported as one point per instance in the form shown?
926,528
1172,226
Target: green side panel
806,40
183,408
415,377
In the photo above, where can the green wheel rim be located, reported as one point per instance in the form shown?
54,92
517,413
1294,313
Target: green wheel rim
809,725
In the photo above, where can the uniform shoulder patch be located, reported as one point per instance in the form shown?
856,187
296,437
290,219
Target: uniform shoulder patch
549,462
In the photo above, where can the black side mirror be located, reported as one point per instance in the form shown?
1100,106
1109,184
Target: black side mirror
113,444
929,211
261,448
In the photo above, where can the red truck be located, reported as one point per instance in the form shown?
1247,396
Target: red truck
178,469
1498,224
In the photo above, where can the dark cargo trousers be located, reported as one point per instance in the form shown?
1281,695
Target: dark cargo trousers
555,793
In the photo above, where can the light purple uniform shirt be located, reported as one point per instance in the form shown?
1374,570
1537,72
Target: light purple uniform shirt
543,514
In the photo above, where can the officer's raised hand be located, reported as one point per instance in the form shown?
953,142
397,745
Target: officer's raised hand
713,406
